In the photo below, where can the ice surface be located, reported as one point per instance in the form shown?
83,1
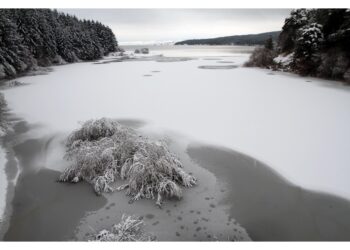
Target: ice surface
298,128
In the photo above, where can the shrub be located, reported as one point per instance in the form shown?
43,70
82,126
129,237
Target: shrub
334,64
261,57
129,229
347,76
103,150
269,43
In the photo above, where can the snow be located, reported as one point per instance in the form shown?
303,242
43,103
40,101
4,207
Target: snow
298,128
284,60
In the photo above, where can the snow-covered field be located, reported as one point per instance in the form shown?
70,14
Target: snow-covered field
298,126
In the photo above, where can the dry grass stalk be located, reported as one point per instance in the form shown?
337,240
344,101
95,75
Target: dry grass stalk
129,229
103,151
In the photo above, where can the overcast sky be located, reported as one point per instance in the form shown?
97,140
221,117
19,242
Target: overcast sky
131,25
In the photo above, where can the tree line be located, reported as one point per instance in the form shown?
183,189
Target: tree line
252,39
42,37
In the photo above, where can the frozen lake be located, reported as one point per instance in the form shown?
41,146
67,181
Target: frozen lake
297,126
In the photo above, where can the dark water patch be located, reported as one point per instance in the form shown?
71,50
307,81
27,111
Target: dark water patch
211,59
155,71
12,169
218,67
149,216
174,59
155,223
178,234
146,75
270,73
225,61
45,210
269,207
132,123
212,205
28,153
109,61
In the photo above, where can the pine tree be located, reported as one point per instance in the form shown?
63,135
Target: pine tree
269,43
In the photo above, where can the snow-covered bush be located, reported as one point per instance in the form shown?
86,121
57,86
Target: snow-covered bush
130,228
284,61
103,151
261,57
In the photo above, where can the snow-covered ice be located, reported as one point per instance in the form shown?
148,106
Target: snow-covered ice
299,128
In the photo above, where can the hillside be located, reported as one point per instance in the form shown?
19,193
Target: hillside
251,39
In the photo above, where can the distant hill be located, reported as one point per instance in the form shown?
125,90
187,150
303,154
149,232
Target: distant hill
251,39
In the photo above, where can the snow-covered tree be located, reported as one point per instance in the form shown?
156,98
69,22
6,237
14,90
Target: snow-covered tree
319,41
298,18
308,44
309,40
